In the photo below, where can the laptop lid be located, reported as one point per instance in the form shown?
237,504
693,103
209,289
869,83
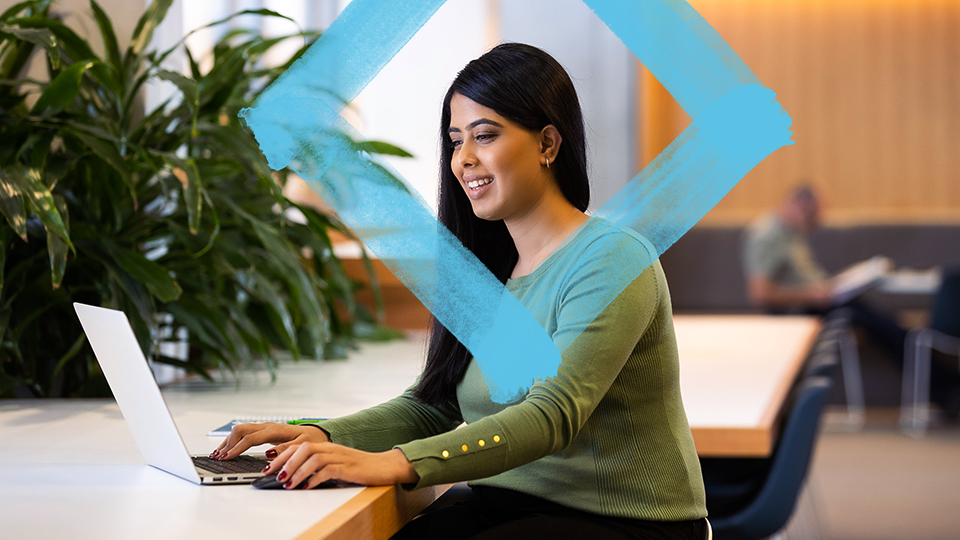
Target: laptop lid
136,391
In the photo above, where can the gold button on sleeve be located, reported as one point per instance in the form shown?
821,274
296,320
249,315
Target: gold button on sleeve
481,442
445,454
496,438
464,448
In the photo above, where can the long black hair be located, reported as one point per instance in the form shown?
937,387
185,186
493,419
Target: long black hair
528,87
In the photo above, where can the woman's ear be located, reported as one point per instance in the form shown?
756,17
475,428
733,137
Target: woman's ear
550,140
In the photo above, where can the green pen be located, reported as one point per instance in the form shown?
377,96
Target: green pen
306,421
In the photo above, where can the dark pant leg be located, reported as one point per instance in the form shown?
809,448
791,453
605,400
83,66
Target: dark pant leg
879,327
485,508
883,331
457,522
500,514
578,526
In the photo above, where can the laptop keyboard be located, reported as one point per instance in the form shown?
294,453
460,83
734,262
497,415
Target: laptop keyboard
242,464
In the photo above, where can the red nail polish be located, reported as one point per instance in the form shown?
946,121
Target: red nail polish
282,476
288,485
267,468
271,453
305,485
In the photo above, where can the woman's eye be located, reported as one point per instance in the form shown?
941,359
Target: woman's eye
485,136
455,144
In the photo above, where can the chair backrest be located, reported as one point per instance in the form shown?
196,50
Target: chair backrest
946,305
774,504
825,358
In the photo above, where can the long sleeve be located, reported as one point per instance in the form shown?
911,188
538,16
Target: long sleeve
397,421
595,349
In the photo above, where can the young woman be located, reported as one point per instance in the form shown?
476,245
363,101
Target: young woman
602,450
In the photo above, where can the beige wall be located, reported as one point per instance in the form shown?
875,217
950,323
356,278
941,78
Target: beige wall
873,87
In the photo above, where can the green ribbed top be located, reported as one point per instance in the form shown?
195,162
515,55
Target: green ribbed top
607,435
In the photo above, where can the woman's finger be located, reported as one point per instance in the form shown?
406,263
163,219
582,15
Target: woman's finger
254,435
282,447
331,471
231,439
305,472
291,469
278,462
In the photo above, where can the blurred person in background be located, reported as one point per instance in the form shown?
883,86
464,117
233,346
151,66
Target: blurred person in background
783,277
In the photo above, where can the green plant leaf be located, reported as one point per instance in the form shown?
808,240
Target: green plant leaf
39,199
42,37
62,90
220,83
201,321
261,12
107,151
285,259
11,204
57,248
194,66
57,167
4,234
17,8
76,47
281,318
4,325
186,173
152,275
143,33
109,36
314,235
191,94
242,147
77,346
186,85
385,148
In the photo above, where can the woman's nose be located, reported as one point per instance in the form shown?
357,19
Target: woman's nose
466,155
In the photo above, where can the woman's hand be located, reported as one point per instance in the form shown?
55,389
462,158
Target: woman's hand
327,461
246,436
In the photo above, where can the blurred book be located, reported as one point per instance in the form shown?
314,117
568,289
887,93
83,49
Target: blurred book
225,429
860,277
913,281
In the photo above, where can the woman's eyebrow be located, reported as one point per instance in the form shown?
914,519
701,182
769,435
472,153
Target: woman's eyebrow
476,123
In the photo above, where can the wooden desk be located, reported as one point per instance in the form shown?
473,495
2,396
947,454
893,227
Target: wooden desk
70,468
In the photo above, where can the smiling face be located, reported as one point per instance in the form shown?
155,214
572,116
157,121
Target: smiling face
498,164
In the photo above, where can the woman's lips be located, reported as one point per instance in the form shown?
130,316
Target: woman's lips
477,186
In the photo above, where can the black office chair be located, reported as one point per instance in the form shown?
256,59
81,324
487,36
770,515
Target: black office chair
758,506
838,333
944,336
824,359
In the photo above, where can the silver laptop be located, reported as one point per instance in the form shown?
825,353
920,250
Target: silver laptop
142,405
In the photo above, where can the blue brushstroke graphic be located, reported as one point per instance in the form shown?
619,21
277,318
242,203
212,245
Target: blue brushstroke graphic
679,47
700,166
296,122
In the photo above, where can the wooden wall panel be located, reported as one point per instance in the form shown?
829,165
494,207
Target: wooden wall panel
873,87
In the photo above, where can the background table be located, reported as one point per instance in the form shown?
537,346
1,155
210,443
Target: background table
70,468
735,372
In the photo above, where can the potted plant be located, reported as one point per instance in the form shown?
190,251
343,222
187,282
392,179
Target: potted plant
167,211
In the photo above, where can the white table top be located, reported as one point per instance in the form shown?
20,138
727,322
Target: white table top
70,468
735,372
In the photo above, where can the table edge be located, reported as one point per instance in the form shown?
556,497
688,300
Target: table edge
377,512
